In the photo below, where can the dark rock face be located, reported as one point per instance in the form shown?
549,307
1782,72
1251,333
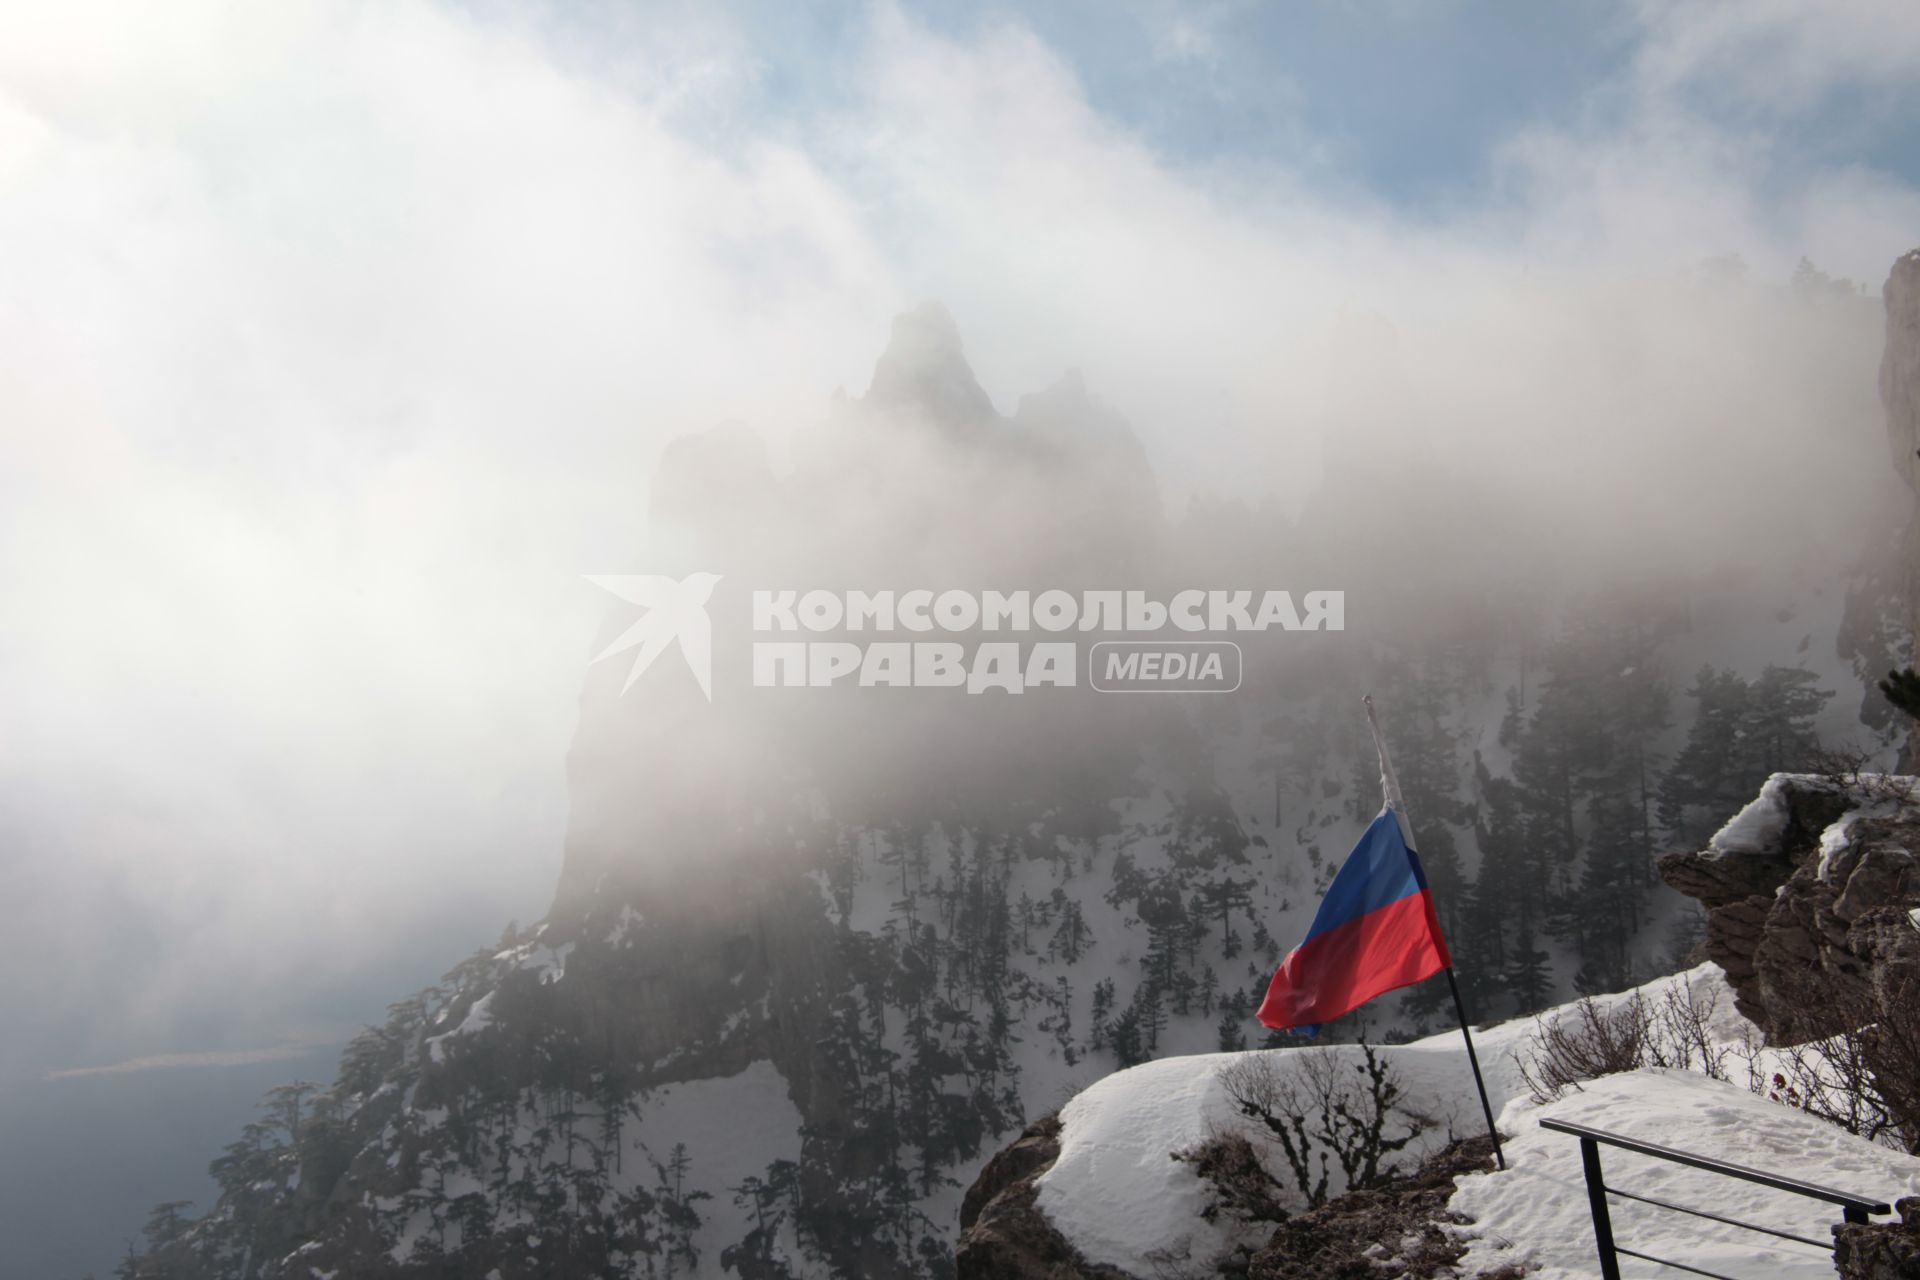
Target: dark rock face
1900,383
1806,937
1883,1251
1900,393
1003,1233
1390,1229
923,369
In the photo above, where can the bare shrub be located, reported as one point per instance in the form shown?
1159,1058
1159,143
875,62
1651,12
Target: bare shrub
1176,1263
1681,1034
1846,767
1865,1077
1591,1040
1242,1186
1400,1228
1585,1043
1323,1113
1893,1056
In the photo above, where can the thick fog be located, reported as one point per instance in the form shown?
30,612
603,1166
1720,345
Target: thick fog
338,342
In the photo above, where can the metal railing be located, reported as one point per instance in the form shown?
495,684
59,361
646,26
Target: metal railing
1853,1208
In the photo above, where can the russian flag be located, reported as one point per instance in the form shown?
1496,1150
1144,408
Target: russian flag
1375,932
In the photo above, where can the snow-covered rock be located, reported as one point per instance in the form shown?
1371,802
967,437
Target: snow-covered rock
1118,1198
1806,889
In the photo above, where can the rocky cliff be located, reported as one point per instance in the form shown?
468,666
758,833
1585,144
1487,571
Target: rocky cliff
1900,393
1813,909
1810,894
817,952
1811,883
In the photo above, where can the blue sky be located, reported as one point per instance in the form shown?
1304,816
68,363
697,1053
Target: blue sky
1410,106
1403,102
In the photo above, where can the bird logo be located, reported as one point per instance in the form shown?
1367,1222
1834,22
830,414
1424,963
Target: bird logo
674,611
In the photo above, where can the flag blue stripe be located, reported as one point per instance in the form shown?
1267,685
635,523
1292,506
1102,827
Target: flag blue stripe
1380,871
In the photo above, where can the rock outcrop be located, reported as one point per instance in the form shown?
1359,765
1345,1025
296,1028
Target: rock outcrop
1003,1233
1900,393
1807,894
1388,1230
1881,1251
1900,387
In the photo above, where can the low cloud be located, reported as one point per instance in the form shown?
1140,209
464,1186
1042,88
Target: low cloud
204,1058
339,341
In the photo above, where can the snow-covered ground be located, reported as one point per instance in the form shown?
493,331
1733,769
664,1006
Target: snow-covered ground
1536,1211
1117,1194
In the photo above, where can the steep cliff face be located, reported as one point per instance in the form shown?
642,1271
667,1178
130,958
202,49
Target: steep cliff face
1809,889
1813,901
1900,392
817,952
1810,893
1900,367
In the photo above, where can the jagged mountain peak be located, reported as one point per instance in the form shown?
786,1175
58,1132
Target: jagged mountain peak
925,368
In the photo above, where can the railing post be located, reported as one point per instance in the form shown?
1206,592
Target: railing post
1597,1200
1854,1213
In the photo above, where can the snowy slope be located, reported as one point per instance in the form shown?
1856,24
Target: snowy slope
1119,1197
1536,1211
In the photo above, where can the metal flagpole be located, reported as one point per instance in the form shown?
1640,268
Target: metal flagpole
1390,785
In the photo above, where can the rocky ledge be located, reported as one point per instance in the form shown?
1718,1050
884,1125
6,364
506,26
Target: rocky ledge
1813,909
1810,893
1003,1233
1388,1230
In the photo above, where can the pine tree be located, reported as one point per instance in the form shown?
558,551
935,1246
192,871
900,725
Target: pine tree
1099,1028
1127,1038
1902,689
1782,708
1528,976
1709,780
1150,1002
1166,919
1741,733
1071,939
1062,1019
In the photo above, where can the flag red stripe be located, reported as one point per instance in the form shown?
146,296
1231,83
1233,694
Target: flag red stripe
1333,974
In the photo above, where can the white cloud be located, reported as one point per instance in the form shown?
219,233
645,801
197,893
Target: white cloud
203,1058
1776,56
337,342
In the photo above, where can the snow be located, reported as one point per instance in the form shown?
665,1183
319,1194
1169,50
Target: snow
1833,842
548,963
1117,1194
1115,1190
1888,799
1757,828
733,1128
479,1018
1536,1212
624,925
